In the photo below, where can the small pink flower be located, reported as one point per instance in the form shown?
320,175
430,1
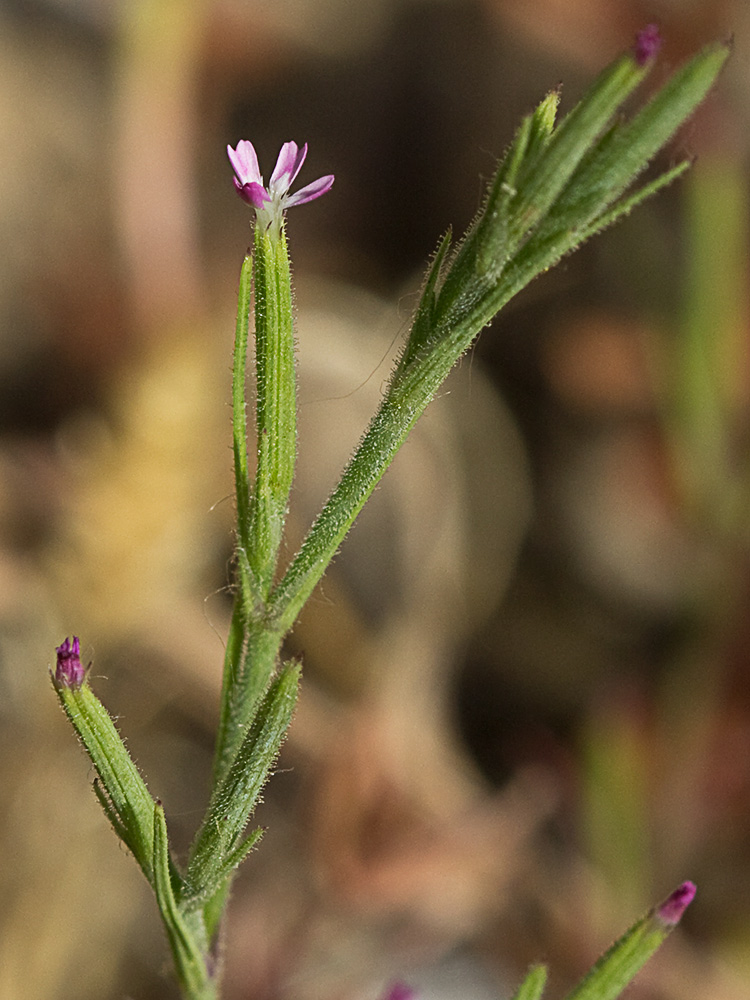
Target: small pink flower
271,201
647,44
70,671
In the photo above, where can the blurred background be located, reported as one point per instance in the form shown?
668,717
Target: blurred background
526,709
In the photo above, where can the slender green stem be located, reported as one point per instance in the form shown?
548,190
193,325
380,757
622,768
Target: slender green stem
233,656
186,931
220,843
408,395
256,668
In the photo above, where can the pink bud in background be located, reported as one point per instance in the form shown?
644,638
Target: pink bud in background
400,991
647,44
671,910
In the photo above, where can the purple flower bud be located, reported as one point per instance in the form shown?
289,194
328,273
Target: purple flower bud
647,44
70,672
671,910
400,991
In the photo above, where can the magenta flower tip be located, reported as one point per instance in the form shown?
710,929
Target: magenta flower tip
671,910
400,991
647,44
70,671
272,200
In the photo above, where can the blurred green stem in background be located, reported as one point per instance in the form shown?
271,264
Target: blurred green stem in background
708,405
632,750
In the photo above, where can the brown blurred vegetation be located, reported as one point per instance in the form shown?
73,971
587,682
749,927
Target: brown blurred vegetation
526,707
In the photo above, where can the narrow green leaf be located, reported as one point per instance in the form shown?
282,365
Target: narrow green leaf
620,964
543,124
584,194
641,138
533,985
423,325
123,793
546,177
626,150
492,231
626,205
217,843
213,909
235,858
480,256
257,663
486,246
545,249
189,960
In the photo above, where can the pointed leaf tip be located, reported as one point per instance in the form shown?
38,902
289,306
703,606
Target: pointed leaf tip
533,985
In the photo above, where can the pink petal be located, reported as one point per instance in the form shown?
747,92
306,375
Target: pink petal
244,161
311,191
70,671
288,165
254,194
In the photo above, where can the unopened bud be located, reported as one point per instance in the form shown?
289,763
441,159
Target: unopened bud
70,671
671,910
647,44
